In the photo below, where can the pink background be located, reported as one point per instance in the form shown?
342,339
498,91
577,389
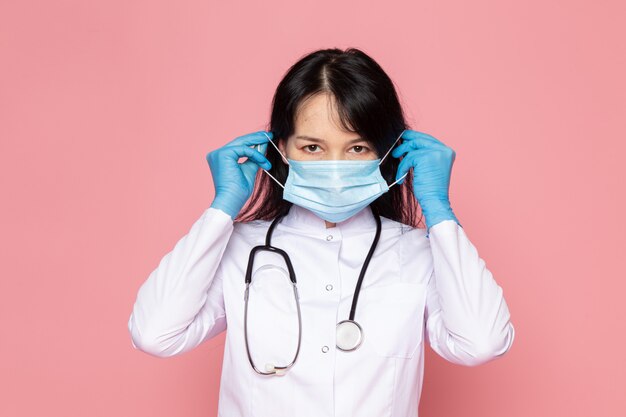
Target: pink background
108,108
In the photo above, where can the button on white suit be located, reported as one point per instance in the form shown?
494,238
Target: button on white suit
418,287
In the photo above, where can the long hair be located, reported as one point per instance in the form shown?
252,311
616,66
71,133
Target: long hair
367,104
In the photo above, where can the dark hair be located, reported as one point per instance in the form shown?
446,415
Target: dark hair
367,104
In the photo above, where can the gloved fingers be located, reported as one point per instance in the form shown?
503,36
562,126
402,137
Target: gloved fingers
251,139
414,144
251,154
403,168
410,135
409,161
249,169
262,148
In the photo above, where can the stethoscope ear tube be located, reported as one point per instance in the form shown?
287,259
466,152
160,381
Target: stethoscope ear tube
271,369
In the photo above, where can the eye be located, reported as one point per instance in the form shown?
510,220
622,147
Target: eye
307,148
360,148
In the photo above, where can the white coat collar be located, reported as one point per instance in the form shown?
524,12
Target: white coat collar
307,221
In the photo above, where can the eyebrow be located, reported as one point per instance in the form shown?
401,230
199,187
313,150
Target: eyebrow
323,141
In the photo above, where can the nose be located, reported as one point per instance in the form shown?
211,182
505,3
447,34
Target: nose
335,156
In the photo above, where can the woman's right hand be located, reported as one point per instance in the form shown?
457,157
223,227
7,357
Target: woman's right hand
233,181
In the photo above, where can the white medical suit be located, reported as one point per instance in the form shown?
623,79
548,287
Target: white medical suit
418,287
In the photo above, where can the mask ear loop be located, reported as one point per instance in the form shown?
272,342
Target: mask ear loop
273,144
390,149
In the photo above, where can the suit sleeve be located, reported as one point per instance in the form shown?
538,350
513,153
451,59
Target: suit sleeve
181,303
467,318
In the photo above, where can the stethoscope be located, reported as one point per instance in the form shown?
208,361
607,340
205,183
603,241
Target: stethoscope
349,333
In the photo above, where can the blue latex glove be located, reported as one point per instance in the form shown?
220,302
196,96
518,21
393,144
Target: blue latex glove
233,181
431,161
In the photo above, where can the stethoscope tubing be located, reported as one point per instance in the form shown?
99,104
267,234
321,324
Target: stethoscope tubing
280,370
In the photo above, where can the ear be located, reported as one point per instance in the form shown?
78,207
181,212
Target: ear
282,147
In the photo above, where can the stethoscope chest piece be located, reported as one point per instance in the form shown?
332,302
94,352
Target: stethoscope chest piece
349,335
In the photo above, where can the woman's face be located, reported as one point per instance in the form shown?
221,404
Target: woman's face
318,135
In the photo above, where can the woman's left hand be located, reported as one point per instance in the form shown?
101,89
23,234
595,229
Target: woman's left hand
432,162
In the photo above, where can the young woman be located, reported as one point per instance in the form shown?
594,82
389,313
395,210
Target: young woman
310,254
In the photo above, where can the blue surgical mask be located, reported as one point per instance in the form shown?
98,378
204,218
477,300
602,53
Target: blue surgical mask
334,190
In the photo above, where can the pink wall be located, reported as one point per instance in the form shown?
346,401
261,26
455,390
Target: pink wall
108,108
